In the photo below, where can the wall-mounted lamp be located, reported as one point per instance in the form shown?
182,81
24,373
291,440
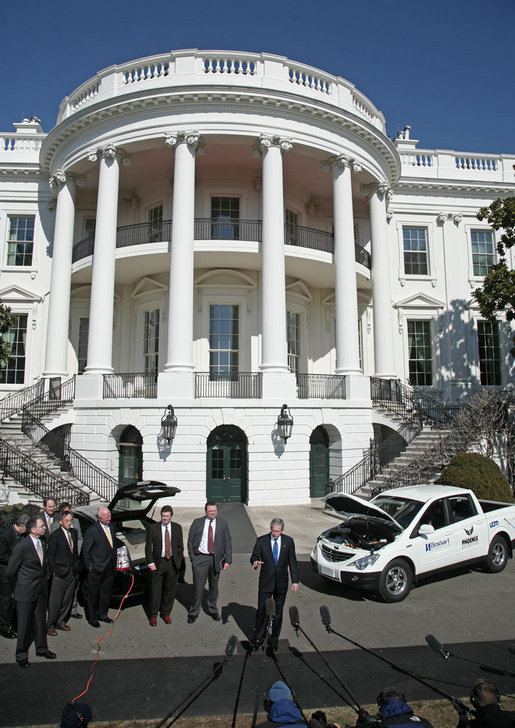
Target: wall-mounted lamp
168,424
285,422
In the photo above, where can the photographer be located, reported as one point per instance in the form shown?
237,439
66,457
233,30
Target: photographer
393,710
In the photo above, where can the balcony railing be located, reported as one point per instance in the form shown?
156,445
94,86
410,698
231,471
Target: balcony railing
140,385
320,386
146,233
237,385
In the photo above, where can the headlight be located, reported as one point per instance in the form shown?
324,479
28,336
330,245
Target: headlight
364,562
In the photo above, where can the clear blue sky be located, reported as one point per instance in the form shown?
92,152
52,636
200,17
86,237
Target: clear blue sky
445,67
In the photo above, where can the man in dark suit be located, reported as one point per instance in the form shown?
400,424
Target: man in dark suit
210,551
49,516
65,506
63,557
275,554
99,554
164,551
9,537
27,566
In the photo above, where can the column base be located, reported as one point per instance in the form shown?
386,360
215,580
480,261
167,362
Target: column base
279,385
176,385
89,386
357,387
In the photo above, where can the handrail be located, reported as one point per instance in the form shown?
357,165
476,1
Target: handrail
207,228
35,477
16,401
373,462
411,404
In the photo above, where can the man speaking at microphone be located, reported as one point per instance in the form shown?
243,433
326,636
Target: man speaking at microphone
275,554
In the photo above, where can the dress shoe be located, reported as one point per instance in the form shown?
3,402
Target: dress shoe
152,622
216,617
94,622
63,627
191,618
47,654
76,615
166,619
9,634
256,644
105,619
23,663
51,632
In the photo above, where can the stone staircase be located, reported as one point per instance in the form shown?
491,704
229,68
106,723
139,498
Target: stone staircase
415,450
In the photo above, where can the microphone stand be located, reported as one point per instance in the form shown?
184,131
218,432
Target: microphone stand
270,615
437,647
197,692
297,653
237,700
283,677
294,619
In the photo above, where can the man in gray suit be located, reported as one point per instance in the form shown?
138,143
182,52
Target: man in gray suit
210,551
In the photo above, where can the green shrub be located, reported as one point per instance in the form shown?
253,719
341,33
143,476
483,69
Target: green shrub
480,474
8,514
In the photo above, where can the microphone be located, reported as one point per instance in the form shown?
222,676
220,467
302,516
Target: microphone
437,646
326,617
294,619
232,644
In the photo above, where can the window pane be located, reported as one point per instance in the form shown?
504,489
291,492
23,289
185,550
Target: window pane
415,251
21,241
223,341
489,353
420,353
14,371
224,212
82,353
293,333
151,342
482,251
292,227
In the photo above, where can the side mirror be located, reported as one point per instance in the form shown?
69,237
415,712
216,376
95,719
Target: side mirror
426,530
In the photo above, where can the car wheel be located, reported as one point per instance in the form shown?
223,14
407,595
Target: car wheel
497,556
396,581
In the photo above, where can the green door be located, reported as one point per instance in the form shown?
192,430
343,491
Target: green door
227,465
318,462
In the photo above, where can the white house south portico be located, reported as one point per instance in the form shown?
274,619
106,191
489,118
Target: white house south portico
233,232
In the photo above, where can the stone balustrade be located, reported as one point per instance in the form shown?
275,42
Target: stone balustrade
196,68
450,165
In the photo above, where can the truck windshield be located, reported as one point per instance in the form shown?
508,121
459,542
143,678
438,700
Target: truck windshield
402,510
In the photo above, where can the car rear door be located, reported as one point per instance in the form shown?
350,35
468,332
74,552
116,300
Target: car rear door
469,529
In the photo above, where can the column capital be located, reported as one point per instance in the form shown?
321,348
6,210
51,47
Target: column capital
191,138
340,161
379,188
110,152
266,141
60,178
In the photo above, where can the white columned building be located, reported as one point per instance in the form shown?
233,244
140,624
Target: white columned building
56,360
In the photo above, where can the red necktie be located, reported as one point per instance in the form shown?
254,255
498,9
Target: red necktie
168,545
210,539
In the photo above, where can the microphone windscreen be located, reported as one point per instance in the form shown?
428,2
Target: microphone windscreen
325,615
294,616
270,607
434,644
231,646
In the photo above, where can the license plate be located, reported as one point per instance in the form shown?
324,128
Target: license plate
327,571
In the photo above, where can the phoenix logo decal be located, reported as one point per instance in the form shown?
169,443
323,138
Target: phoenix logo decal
469,531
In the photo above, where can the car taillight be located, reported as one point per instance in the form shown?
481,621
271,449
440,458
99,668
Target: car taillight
123,562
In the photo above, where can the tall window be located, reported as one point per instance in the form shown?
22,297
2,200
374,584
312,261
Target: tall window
225,211
14,371
489,353
82,348
420,352
483,256
291,220
21,240
415,251
89,227
293,333
155,218
223,341
151,342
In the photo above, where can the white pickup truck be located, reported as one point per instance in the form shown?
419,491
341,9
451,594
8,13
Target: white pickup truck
404,534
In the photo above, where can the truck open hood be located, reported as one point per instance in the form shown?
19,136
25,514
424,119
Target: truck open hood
348,506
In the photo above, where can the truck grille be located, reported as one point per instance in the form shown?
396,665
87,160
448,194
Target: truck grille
332,555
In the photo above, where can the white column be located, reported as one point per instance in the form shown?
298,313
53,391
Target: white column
381,293
100,340
346,297
56,354
177,379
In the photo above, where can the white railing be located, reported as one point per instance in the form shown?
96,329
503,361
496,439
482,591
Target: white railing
450,165
262,71
20,143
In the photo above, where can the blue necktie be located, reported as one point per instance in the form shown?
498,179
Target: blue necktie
275,550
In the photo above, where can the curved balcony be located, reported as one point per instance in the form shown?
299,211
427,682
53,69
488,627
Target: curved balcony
214,229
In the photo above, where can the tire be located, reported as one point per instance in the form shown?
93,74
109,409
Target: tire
497,556
396,581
